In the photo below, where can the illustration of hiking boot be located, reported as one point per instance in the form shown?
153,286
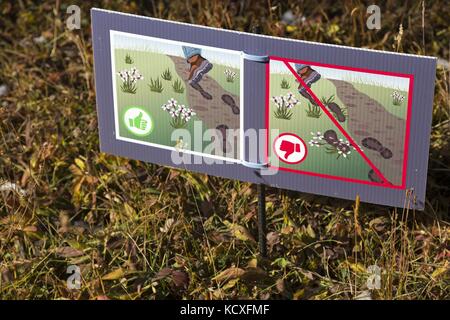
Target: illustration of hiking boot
230,101
199,67
305,94
309,76
200,89
374,144
337,111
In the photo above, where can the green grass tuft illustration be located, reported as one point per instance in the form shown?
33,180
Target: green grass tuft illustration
326,101
166,75
178,87
283,113
285,84
156,85
313,111
128,59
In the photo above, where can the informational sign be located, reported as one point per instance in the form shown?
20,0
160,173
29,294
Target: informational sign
356,120
311,117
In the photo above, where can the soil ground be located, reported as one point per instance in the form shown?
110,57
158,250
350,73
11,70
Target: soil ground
368,118
212,112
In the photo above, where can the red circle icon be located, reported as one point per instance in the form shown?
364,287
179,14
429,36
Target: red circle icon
290,148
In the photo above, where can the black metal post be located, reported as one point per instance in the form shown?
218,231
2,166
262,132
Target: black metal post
262,220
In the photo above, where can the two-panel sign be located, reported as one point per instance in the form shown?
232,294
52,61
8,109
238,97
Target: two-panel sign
311,117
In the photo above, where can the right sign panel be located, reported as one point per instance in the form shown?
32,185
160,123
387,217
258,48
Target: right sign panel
338,122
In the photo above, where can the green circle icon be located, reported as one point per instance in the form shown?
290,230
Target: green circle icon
138,121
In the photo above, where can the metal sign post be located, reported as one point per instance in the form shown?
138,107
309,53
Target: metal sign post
262,240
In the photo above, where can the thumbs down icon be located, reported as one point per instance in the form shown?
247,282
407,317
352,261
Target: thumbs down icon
290,148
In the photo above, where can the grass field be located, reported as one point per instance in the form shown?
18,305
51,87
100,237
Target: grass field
141,231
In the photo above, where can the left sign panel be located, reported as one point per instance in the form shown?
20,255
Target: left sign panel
176,95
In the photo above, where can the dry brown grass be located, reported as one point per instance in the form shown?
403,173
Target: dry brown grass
140,231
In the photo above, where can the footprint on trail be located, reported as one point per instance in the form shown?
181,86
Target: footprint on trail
370,122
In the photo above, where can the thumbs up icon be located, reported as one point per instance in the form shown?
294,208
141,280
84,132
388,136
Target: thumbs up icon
138,122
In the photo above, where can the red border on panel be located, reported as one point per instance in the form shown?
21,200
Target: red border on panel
385,183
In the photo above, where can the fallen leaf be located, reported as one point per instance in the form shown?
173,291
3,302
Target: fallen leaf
287,229
167,225
291,29
357,267
64,222
282,288
378,224
299,294
230,284
273,238
365,295
129,211
310,231
68,252
80,163
440,271
239,232
30,229
228,274
180,279
308,274
114,275
163,273
254,276
253,263
75,170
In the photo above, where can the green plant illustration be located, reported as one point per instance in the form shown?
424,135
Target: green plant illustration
339,147
285,84
177,86
334,108
340,150
284,104
326,101
156,85
167,75
230,75
128,59
179,113
313,111
129,79
397,98
138,122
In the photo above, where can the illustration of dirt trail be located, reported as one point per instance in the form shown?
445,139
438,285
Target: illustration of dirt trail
367,118
214,112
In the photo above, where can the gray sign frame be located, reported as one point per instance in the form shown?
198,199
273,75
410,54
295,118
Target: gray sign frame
421,67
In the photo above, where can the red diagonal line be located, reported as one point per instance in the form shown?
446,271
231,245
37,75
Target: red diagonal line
341,129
